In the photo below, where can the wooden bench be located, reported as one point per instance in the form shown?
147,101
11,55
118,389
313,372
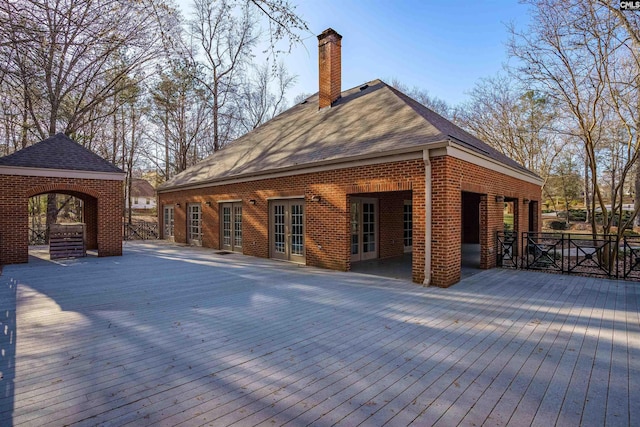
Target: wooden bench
67,240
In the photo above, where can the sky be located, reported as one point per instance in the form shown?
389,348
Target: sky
443,47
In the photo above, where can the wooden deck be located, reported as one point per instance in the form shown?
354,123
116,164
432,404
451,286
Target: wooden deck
169,335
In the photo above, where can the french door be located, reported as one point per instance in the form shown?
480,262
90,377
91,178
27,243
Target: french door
194,224
286,230
231,226
364,229
168,220
407,219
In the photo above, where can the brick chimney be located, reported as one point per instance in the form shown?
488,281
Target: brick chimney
329,46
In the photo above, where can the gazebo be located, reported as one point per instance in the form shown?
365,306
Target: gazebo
60,165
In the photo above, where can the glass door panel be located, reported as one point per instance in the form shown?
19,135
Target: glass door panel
369,225
279,249
226,227
194,227
296,231
355,231
364,229
408,226
168,222
237,227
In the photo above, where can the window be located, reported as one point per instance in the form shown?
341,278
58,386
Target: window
168,222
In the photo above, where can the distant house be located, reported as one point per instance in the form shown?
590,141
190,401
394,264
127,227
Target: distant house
349,176
143,195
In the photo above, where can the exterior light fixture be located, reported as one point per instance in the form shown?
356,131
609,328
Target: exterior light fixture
499,199
177,205
525,201
208,204
315,198
252,201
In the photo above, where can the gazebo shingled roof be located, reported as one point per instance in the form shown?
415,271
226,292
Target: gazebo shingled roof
58,152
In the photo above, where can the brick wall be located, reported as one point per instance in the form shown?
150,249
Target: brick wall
327,226
391,209
102,212
452,176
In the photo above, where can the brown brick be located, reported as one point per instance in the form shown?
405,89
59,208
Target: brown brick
327,227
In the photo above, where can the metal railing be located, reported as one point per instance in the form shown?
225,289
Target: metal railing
508,249
631,257
570,253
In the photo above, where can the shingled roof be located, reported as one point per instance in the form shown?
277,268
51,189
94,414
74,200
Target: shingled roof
142,188
370,120
58,152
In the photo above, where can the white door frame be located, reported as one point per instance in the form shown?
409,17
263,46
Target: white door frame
287,230
194,225
231,226
168,222
363,229
407,248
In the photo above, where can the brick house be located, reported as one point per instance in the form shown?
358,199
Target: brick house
348,176
59,165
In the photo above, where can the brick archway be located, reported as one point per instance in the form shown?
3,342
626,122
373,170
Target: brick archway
59,165
62,188
102,212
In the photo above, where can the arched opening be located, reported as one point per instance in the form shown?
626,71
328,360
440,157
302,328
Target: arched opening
62,207
53,208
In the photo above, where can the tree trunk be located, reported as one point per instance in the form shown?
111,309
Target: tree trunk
52,214
166,144
636,196
587,201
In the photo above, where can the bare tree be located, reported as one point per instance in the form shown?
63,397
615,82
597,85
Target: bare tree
181,118
422,96
516,121
70,56
226,32
283,22
262,95
583,57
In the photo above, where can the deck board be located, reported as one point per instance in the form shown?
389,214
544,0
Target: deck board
168,335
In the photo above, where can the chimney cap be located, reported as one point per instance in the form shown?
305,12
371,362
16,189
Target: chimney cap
329,32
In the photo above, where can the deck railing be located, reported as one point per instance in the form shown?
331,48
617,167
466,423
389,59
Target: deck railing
570,253
140,231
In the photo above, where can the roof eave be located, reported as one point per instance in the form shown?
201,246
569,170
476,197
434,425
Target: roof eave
344,162
61,173
448,146
501,167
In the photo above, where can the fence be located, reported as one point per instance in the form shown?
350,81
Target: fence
140,231
133,231
37,235
584,254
